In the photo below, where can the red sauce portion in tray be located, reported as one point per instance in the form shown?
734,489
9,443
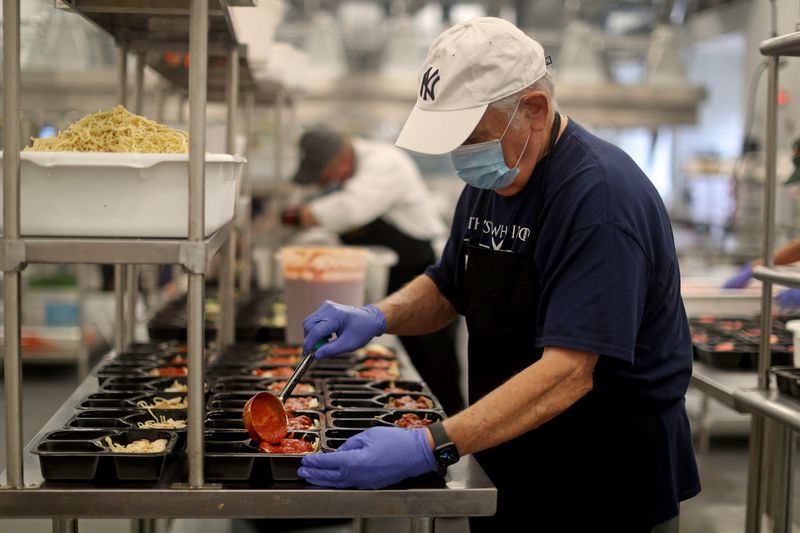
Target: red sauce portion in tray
170,371
379,363
407,402
280,372
287,446
283,360
300,403
377,373
278,386
412,421
300,423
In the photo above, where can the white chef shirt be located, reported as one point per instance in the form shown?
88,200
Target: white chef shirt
386,184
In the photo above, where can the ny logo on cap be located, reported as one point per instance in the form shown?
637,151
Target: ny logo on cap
429,81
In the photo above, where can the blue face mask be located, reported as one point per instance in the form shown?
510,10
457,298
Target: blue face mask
483,166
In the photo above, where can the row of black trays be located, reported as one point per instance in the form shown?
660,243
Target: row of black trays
254,318
347,399
76,453
733,343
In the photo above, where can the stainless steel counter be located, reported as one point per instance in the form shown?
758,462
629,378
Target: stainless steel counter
467,492
722,384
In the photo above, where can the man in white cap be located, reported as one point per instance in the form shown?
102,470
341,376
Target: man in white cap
561,257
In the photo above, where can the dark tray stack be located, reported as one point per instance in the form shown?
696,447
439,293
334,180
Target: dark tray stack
335,399
261,317
788,380
733,343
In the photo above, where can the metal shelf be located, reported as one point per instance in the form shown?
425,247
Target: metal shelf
789,276
119,251
784,45
770,404
156,27
722,385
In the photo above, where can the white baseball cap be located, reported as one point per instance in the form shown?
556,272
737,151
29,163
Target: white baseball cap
468,67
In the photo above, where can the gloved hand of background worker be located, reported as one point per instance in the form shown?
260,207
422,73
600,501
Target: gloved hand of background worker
374,459
741,279
354,327
789,299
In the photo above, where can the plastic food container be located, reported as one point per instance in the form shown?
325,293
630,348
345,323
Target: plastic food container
313,275
794,327
94,194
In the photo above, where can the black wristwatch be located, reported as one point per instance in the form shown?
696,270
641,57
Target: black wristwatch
444,449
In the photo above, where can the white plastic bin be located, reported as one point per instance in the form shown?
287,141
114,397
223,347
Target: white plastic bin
90,194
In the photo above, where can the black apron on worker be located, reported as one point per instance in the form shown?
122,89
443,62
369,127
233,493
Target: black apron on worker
591,468
433,355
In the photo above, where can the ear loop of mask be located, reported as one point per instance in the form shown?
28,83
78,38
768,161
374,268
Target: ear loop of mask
506,130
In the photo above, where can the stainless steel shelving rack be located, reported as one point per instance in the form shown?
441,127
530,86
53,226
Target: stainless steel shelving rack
765,405
468,491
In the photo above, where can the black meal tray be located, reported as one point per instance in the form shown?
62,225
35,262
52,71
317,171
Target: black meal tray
371,400
123,400
351,419
743,357
253,383
236,400
142,384
233,456
788,379
227,420
355,384
128,419
76,455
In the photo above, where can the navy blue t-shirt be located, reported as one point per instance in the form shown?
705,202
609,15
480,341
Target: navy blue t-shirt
609,281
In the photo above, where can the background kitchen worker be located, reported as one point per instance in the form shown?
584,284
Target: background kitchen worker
788,299
380,198
561,257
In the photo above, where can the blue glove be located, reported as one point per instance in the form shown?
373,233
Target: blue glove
789,299
374,459
354,327
741,279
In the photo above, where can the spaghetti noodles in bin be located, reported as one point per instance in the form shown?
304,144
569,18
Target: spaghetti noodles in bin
115,130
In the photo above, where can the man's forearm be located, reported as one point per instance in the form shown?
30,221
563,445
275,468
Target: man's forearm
417,309
526,401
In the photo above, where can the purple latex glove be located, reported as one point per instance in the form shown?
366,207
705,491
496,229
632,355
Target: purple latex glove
354,327
741,279
789,299
374,459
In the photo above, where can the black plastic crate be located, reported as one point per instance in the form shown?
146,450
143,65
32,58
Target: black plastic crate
232,456
82,455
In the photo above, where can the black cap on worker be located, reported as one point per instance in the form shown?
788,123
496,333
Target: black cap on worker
318,146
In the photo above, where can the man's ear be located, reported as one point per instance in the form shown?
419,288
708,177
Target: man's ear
536,107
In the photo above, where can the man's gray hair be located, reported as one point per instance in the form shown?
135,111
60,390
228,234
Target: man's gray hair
544,84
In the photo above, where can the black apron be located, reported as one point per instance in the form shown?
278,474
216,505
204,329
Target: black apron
591,468
434,355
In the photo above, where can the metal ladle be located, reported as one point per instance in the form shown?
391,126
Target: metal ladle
264,414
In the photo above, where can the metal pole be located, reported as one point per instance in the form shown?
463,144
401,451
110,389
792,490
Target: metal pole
131,293
783,477
138,106
83,348
120,271
227,278
11,232
122,73
198,67
120,275
422,525
65,525
246,268
754,489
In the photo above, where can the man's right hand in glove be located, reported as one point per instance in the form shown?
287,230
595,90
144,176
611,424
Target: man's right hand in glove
354,327
741,279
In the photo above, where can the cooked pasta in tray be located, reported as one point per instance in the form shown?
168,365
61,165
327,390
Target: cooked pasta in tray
115,130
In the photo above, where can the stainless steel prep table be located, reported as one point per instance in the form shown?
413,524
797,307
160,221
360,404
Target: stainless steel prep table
468,492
